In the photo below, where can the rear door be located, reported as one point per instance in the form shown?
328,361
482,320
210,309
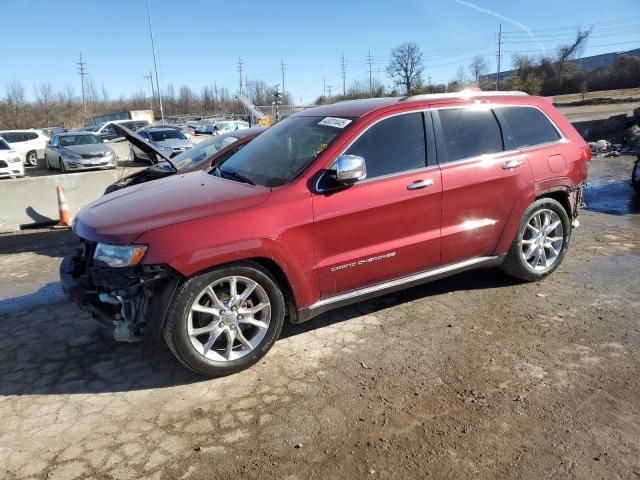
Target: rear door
387,225
481,180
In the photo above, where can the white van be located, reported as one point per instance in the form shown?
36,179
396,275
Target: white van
29,144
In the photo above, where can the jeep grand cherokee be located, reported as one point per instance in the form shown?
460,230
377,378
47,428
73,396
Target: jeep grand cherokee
328,207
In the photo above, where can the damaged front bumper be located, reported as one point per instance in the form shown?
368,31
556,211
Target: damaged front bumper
132,300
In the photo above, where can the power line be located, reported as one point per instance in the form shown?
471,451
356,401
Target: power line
283,70
499,56
370,63
591,46
149,79
240,68
564,28
343,66
82,71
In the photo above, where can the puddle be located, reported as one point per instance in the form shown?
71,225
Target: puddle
615,198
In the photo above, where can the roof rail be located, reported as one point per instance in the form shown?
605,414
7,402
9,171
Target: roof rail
466,94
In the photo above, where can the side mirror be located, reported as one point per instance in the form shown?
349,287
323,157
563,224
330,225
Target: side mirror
350,169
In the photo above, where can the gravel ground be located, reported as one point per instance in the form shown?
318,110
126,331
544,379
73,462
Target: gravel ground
476,376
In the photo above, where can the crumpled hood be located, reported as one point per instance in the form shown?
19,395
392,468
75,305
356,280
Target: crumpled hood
122,216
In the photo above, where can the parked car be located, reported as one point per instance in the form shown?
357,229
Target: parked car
28,143
73,151
10,163
220,127
328,207
106,131
203,156
169,140
635,175
51,131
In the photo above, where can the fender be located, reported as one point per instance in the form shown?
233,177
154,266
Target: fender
304,288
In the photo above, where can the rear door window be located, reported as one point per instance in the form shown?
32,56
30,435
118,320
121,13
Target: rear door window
529,126
467,133
394,145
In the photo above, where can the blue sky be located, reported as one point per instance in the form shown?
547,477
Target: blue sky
199,41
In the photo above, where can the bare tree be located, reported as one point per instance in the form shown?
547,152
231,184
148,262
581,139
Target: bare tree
16,103
477,67
91,92
45,101
461,77
185,99
105,94
573,50
405,66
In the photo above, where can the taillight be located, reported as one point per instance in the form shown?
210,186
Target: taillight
586,153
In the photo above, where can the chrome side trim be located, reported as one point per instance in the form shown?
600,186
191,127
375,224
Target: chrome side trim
365,293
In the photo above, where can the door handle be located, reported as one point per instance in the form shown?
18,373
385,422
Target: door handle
418,184
512,164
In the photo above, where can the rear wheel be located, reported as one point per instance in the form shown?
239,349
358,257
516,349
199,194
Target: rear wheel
32,158
225,320
541,242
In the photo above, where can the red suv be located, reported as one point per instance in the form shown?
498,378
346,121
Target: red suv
329,207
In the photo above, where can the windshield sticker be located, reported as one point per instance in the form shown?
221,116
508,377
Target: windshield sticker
320,148
334,122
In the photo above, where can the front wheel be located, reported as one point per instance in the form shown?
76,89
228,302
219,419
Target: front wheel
541,242
225,320
635,176
63,169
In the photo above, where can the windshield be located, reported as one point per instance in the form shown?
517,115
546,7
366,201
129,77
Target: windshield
69,140
97,127
162,135
201,152
285,150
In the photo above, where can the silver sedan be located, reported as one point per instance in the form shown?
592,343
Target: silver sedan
73,151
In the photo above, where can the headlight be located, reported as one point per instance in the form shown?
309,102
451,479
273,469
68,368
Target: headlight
13,160
69,154
119,255
164,149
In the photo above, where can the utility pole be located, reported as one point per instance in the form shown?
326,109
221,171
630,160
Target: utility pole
370,63
283,70
155,63
329,87
429,84
149,78
324,87
499,56
240,67
276,101
82,71
343,66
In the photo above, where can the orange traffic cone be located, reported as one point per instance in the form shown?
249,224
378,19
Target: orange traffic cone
63,210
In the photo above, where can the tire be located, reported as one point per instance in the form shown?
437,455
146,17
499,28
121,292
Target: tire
63,169
635,176
260,329
550,252
32,158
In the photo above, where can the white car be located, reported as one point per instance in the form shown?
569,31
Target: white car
107,133
29,144
10,163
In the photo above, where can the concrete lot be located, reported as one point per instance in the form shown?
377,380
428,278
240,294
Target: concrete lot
476,376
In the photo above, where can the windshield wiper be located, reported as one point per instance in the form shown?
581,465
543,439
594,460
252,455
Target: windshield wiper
235,175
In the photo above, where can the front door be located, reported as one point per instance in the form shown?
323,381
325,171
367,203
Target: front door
387,225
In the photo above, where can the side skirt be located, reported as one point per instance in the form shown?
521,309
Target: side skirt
402,283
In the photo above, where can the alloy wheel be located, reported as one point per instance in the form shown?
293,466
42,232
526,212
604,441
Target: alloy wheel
542,240
229,318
